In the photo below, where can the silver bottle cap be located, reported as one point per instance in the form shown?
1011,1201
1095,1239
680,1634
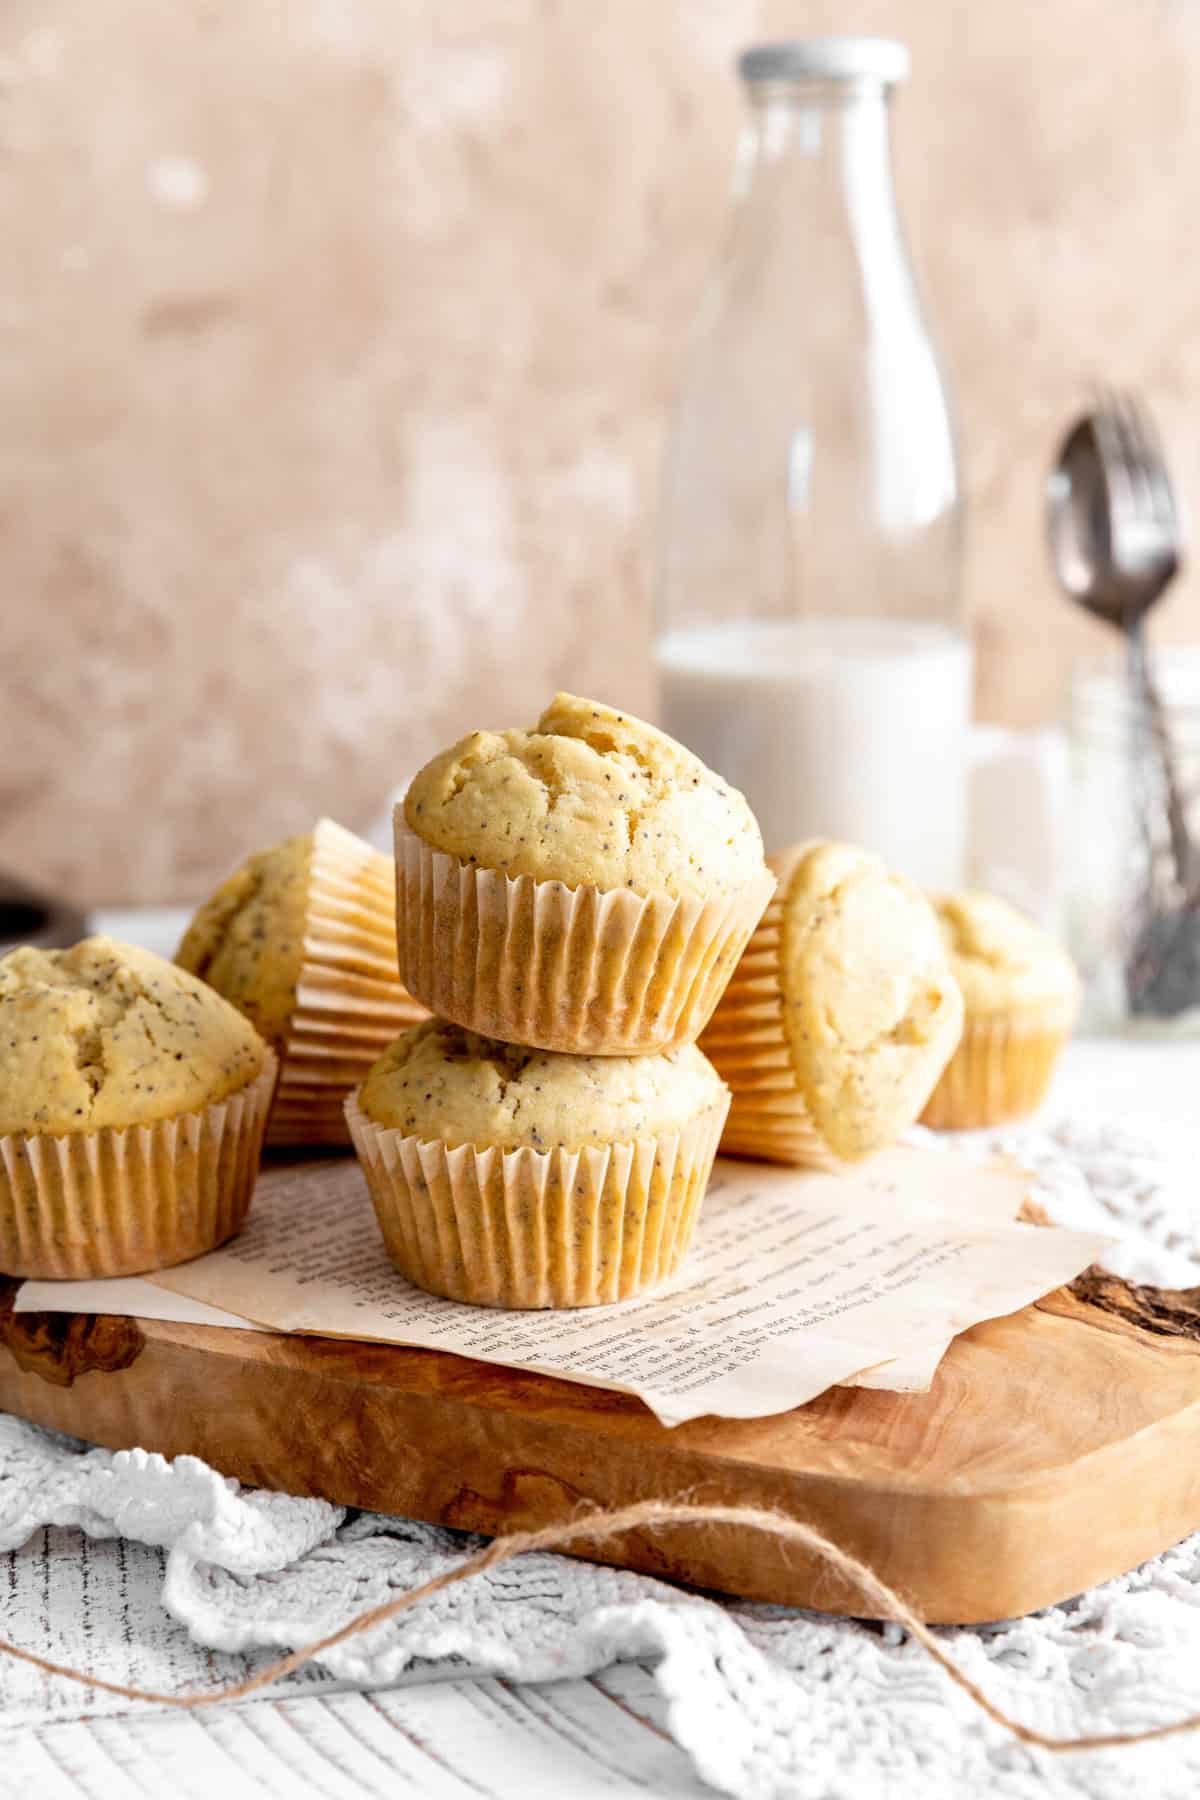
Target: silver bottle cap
827,59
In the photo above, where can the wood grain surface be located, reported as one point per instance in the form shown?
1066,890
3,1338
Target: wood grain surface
1058,1446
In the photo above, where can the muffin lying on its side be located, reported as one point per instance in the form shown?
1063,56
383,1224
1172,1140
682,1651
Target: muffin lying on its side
841,1015
587,886
1021,994
132,1106
522,1178
302,940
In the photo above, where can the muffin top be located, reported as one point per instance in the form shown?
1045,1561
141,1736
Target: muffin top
438,1081
588,797
872,1012
247,941
1002,960
105,1034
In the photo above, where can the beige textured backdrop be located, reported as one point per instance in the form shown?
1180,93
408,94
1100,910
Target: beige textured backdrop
336,338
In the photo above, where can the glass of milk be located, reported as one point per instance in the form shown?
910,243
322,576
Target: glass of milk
810,642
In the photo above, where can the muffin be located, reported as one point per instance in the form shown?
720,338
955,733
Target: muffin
301,939
133,1101
1021,995
587,886
522,1178
841,1016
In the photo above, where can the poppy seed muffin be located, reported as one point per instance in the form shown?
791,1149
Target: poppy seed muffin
1021,995
590,797
301,939
133,1101
105,1034
841,1016
438,1081
524,1178
247,940
586,886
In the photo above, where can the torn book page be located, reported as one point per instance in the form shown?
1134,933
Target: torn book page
796,1281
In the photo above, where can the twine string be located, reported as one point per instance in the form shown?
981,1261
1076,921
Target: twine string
600,1528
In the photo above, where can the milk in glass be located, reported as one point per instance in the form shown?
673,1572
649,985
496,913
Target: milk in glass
837,728
810,639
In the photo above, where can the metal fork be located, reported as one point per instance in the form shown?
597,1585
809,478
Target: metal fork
1146,556
1145,538
1115,538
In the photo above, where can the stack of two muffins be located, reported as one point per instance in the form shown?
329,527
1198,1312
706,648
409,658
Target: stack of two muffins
570,903
575,905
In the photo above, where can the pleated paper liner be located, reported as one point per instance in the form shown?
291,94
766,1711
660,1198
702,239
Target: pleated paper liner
746,1044
122,1202
1000,1072
350,1003
529,1228
584,970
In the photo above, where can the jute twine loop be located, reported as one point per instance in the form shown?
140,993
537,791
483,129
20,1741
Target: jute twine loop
599,1528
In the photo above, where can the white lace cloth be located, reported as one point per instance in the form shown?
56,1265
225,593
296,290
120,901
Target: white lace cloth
177,1562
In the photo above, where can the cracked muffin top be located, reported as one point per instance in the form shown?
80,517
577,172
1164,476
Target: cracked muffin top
592,797
1002,960
105,1034
440,1082
871,1009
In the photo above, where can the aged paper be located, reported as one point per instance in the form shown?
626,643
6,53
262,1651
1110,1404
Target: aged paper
995,1197
997,1202
796,1281
129,1295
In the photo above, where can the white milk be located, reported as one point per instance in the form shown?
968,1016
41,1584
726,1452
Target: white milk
840,728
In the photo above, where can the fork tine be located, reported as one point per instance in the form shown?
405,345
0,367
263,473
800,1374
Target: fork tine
1137,415
1148,471
1105,422
1113,457
1128,431
1155,459
1149,534
1165,509
1134,423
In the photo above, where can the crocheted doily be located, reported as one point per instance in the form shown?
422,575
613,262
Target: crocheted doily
140,1569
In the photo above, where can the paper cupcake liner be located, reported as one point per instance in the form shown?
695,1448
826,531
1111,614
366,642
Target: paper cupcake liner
350,1004
121,1202
746,1044
1000,1072
589,971
529,1228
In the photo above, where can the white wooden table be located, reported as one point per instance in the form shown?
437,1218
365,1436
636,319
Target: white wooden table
574,1740
599,1739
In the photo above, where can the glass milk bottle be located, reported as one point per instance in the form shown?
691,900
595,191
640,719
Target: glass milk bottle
810,640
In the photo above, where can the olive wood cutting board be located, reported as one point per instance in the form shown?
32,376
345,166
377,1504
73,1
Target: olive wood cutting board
1058,1446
